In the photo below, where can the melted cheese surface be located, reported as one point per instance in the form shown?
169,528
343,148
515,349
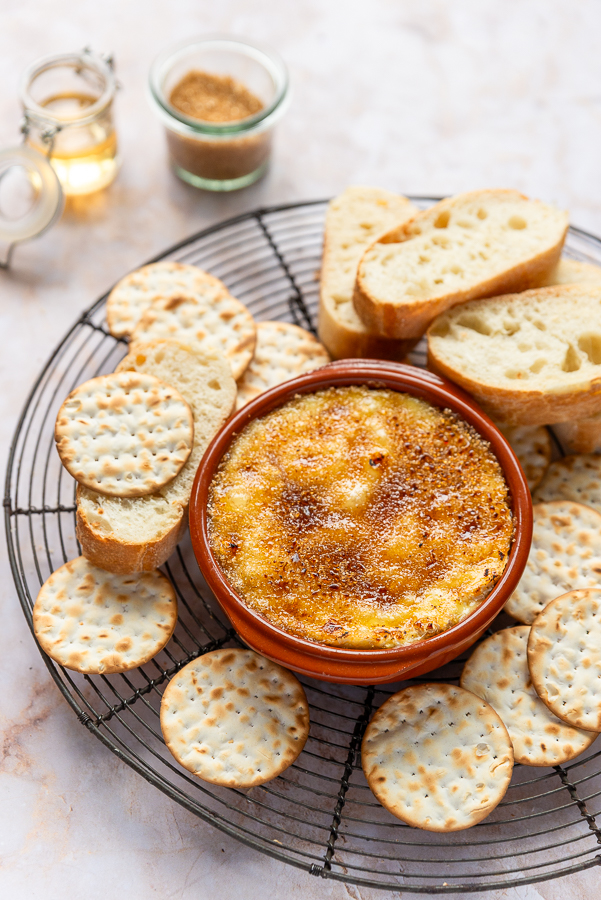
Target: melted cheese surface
360,518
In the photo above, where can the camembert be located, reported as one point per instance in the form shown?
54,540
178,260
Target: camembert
360,517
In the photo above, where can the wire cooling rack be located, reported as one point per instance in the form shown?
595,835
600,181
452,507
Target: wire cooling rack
319,815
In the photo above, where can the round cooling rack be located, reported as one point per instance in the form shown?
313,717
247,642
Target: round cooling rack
320,814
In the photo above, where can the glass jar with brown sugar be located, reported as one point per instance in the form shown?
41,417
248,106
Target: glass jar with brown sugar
219,100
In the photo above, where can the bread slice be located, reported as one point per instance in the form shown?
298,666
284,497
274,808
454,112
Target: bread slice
353,220
140,534
572,271
580,436
473,245
529,359
584,435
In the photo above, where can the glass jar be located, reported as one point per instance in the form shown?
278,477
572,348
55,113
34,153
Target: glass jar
67,105
220,155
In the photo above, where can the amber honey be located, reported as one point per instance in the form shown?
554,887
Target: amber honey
84,156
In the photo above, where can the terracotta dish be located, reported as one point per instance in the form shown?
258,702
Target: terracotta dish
351,666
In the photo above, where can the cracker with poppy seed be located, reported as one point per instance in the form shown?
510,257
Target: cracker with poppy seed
498,672
124,435
565,555
437,757
234,718
99,623
210,319
564,657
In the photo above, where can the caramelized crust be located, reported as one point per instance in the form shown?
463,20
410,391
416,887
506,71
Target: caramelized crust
360,518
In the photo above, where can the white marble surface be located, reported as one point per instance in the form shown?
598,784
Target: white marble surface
413,95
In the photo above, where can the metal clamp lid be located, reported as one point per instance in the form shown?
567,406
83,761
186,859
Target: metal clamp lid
44,202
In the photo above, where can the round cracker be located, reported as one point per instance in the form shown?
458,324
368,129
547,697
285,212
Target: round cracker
498,672
576,478
565,555
437,757
564,656
282,352
124,435
210,318
532,446
134,294
234,718
99,623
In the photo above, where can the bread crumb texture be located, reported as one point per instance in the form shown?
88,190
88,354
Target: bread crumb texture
529,358
459,243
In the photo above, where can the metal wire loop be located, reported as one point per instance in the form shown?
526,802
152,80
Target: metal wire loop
319,815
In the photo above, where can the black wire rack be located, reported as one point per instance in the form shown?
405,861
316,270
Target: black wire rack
319,815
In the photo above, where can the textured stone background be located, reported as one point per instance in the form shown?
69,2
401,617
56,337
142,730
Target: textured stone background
421,96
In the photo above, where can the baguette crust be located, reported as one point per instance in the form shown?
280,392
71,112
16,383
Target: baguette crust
408,316
460,341
346,342
353,219
113,553
520,408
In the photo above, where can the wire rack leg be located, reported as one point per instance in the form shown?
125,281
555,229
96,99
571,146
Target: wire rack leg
354,746
571,788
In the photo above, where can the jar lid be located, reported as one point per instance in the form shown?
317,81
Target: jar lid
31,198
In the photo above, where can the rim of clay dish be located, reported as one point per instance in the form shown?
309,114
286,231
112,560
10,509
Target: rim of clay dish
377,374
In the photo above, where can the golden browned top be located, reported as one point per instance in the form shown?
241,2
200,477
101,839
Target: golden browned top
360,518
213,98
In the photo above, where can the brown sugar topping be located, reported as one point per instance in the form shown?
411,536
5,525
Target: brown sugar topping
361,518
213,98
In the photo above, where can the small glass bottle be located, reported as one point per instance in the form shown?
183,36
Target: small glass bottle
67,105
226,155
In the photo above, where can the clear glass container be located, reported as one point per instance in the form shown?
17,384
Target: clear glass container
220,156
68,116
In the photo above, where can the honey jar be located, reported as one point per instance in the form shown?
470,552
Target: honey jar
219,100
68,116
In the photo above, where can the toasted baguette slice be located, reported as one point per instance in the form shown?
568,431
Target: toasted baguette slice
529,359
473,245
353,220
139,534
572,271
